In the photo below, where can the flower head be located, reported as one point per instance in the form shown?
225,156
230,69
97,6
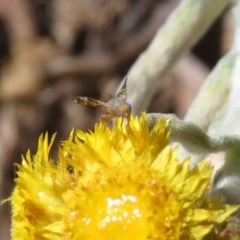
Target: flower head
119,183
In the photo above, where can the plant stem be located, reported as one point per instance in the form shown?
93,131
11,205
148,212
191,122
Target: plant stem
181,31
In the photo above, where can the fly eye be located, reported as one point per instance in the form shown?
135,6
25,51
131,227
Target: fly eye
129,106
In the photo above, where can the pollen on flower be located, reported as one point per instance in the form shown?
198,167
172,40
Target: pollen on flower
123,183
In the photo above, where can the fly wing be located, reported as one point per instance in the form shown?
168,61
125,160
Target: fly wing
122,93
89,101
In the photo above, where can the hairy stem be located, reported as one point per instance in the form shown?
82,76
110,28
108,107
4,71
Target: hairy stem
181,31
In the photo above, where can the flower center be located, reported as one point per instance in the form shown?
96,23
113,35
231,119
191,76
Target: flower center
117,218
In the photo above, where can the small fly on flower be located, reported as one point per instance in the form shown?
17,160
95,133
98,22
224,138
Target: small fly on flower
113,108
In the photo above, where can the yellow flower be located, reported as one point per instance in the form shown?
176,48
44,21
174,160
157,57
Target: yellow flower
120,183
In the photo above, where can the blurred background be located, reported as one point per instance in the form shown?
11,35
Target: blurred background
52,50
